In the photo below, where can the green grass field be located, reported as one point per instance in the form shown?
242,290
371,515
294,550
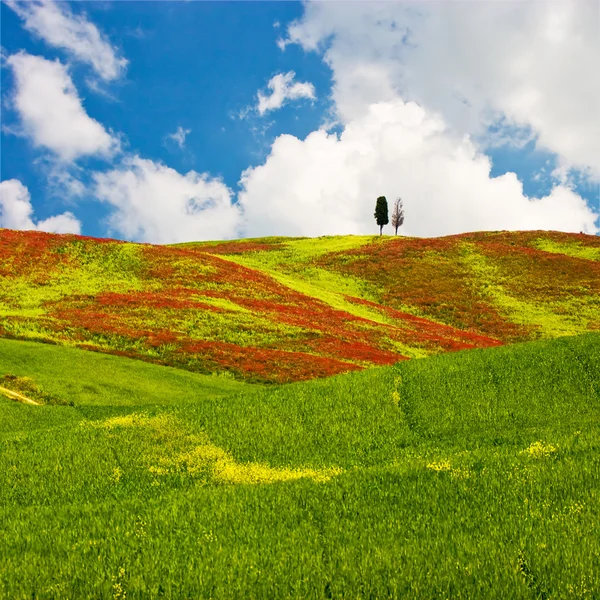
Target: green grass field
473,474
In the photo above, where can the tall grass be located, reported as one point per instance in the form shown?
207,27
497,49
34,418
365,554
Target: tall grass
466,475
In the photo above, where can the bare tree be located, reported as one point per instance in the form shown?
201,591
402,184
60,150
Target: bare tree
398,214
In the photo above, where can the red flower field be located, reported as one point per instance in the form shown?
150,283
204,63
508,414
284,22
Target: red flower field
283,309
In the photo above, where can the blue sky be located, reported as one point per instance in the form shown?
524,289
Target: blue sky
360,105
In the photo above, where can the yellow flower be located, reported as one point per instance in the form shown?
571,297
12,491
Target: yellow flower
117,473
442,465
540,450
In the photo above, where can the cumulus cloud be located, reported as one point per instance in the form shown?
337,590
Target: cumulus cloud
56,24
415,89
154,203
16,211
179,136
51,111
328,184
64,182
284,88
524,64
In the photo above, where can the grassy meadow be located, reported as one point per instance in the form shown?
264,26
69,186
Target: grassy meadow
470,474
342,417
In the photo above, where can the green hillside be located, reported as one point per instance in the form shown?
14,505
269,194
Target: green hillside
467,475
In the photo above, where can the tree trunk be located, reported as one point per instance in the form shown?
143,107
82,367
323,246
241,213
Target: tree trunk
380,230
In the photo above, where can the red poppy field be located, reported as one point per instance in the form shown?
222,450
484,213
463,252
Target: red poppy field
288,309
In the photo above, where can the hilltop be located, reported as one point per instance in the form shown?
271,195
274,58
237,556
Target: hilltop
289,309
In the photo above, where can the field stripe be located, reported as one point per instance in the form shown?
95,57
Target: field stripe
19,397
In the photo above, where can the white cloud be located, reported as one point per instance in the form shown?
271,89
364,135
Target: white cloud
56,24
51,110
283,88
524,67
63,223
327,184
466,66
527,64
154,203
63,180
16,211
179,136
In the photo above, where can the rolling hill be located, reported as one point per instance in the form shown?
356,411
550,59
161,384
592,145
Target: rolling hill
466,475
288,309
470,474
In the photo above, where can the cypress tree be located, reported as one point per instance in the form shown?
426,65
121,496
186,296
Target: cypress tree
381,213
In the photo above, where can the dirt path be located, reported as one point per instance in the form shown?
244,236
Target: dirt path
16,396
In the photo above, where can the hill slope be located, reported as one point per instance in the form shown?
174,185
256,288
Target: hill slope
483,464
280,309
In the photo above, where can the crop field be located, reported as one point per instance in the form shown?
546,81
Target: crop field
469,474
278,310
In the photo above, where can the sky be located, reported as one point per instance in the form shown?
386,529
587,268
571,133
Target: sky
172,121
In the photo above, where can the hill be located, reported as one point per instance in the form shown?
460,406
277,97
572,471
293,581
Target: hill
281,309
467,475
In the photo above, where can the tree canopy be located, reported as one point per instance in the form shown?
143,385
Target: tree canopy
381,213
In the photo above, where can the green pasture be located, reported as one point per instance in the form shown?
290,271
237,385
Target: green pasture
465,475
91,378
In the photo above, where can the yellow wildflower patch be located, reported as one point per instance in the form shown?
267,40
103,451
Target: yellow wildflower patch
224,468
460,473
228,471
118,586
442,465
159,423
116,475
445,466
540,450
194,454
